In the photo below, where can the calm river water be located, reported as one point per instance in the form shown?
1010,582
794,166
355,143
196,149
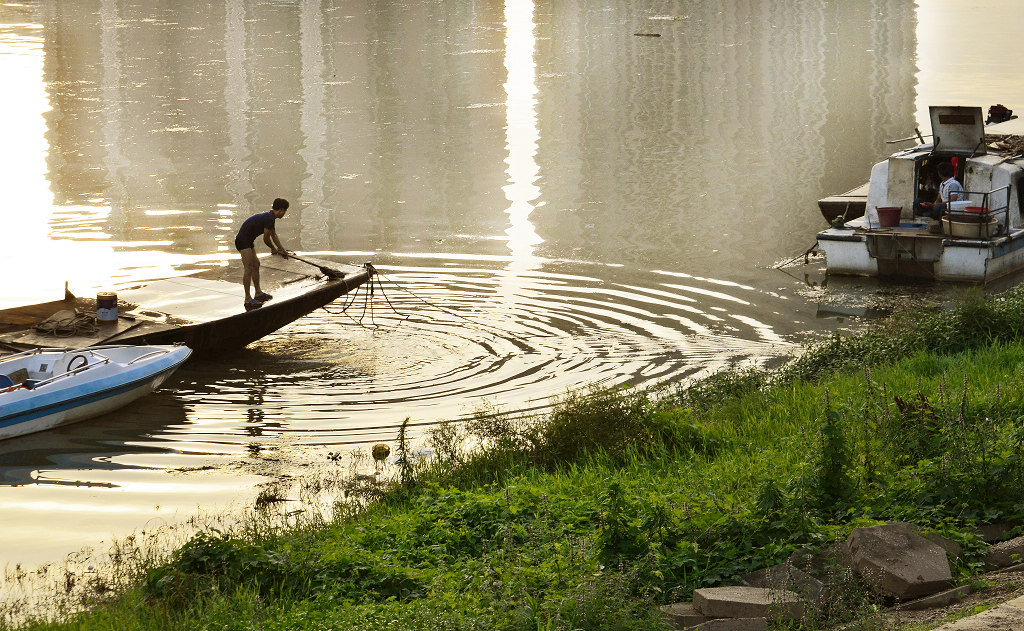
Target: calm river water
557,194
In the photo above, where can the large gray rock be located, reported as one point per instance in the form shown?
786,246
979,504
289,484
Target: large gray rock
1005,553
953,549
898,562
748,602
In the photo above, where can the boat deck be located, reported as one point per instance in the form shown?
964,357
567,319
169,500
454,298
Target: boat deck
204,310
916,230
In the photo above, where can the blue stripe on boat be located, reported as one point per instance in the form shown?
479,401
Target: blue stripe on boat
66,404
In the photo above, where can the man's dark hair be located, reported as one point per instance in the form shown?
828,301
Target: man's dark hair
945,169
280,204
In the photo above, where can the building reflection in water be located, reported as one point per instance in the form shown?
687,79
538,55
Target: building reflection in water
379,121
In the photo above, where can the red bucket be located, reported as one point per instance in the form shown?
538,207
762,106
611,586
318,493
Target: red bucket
889,216
976,209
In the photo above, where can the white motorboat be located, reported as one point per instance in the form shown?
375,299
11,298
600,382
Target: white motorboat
45,388
979,239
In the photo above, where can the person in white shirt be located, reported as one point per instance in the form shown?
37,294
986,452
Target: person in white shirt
949,191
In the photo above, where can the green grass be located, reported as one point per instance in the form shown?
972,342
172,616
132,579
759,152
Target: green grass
622,500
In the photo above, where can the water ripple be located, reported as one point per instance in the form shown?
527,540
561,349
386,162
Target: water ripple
439,343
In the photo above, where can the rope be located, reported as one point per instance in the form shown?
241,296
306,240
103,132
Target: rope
350,299
426,302
805,255
79,324
367,307
495,332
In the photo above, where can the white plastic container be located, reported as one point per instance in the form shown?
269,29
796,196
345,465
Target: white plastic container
960,206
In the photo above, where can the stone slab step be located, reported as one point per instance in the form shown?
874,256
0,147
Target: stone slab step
1008,616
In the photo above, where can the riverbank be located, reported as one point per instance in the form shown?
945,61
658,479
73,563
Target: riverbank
620,500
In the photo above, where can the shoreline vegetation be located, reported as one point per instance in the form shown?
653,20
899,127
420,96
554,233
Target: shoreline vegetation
619,501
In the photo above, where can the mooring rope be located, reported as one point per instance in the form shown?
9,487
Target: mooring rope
350,300
804,255
495,332
368,303
424,301
77,324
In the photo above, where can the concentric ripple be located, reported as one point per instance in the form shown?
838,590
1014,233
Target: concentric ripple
437,343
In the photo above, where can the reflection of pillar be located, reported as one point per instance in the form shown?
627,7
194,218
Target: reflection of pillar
314,230
255,418
894,75
236,105
112,108
521,133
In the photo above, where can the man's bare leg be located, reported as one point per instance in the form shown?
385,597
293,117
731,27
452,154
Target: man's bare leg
250,272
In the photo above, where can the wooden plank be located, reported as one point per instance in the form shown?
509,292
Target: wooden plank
193,299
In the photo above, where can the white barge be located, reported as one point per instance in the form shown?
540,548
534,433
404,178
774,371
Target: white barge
977,240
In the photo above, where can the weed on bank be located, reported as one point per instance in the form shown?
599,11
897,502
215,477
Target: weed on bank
620,500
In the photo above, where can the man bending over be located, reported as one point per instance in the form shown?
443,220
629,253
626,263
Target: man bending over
245,243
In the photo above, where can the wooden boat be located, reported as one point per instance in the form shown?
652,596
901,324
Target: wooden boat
204,311
45,388
846,206
969,247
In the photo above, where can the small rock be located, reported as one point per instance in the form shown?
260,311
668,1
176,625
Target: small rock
991,533
897,561
732,624
941,599
1005,553
819,564
683,615
747,602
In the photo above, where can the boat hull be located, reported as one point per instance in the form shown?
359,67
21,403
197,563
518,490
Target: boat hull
204,311
917,254
236,331
847,206
88,394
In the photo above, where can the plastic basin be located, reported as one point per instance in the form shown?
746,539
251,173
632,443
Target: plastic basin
889,216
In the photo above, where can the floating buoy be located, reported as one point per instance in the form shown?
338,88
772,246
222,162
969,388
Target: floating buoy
380,452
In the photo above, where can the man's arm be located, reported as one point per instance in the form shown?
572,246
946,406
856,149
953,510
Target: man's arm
273,242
